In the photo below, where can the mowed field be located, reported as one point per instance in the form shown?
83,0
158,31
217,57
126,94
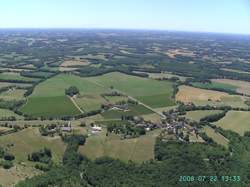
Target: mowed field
48,96
137,149
4,113
242,86
217,137
154,93
28,141
237,121
15,76
215,85
13,94
203,97
199,114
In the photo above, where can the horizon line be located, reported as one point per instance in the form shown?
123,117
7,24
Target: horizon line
122,29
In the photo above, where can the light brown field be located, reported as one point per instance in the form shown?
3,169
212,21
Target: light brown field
188,94
173,52
243,86
76,62
17,173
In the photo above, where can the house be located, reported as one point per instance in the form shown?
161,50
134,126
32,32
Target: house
66,129
120,107
96,129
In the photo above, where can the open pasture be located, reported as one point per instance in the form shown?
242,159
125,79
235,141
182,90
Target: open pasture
133,110
216,136
15,76
236,121
49,107
5,113
136,149
154,93
12,94
48,96
199,114
242,86
28,141
215,85
203,97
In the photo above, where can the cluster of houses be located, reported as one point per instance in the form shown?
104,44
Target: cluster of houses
175,125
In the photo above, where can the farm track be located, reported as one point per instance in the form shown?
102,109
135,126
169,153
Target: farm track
76,105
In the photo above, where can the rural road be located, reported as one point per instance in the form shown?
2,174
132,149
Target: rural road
76,105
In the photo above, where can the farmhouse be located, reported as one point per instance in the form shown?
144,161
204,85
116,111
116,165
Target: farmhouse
96,129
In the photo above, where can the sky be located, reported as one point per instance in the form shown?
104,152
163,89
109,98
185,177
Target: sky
226,16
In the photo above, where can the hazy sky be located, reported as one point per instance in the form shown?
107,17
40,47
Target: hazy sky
230,16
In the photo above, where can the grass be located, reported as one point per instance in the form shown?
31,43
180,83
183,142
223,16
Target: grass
8,113
115,99
203,97
242,86
215,85
217,137
199,114
89,102
143,89
15,76
16,94
49,107
47,95
134,110
28,141
137,149
236,121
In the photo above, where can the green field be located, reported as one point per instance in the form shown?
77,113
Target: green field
137,149
237,121
90,102
48,96
28,141
133,110
199,114
215,85
15,76
8,113
14,94
217,137
145,90
49,107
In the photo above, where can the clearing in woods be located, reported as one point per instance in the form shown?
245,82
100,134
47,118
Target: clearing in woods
237,121
136,149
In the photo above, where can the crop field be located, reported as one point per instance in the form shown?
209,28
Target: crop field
165,75
145,90
14,76
203,97
242,86
8,113
90,102
15,174
190,94
49,106
215,85
199,114
48,98
137,149
217,137
134,110
237,121
29,140
115,99
13,94
74,62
